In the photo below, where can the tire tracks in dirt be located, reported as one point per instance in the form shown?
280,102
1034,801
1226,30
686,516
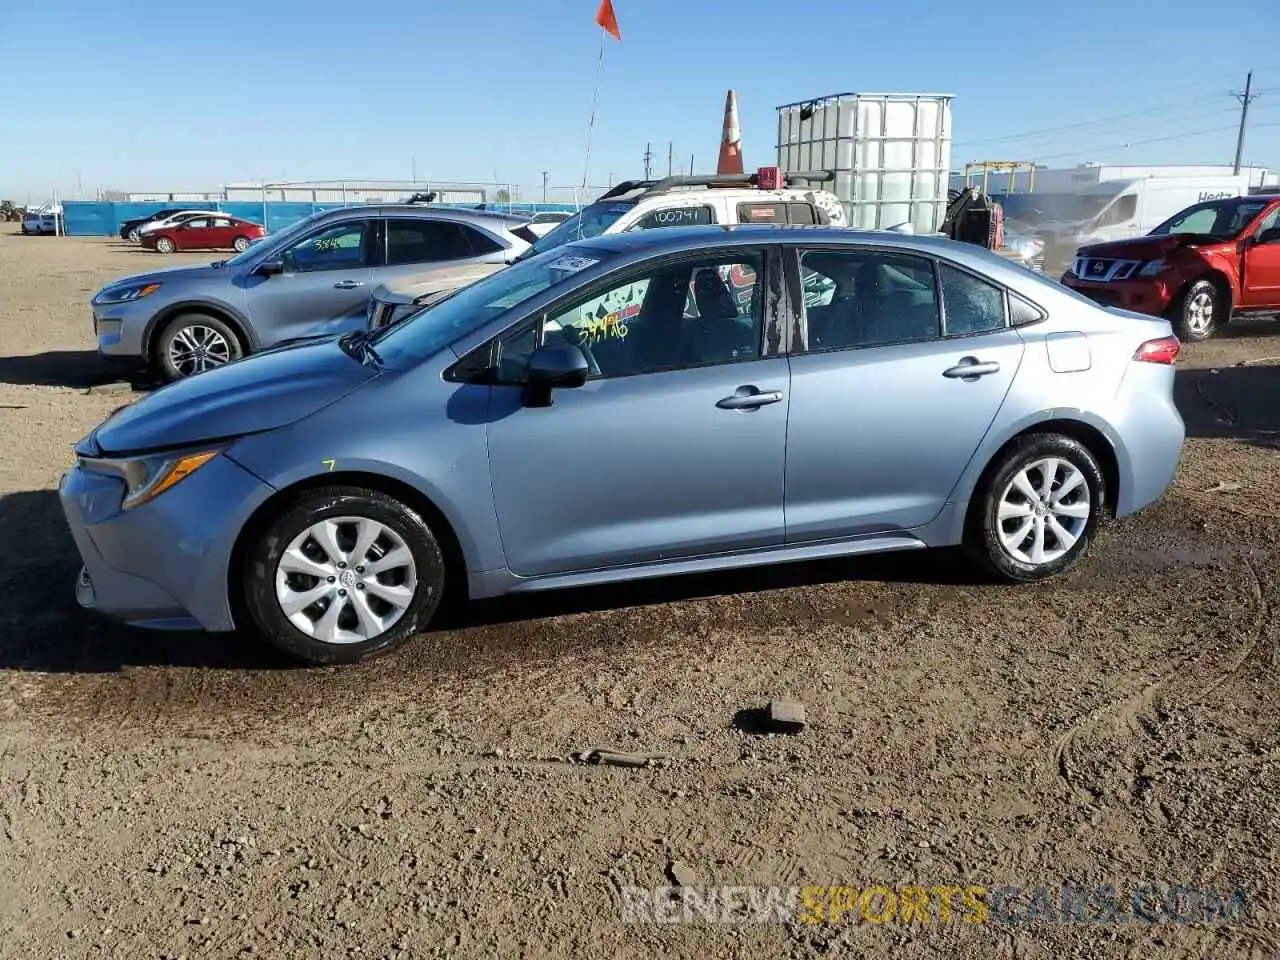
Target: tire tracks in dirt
1132,707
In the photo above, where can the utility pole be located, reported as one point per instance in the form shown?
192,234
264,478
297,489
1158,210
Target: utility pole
691,164
545,177
670,158
648,161
1245,99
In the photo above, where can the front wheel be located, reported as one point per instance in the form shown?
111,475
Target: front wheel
1196,314
240,244
134,236
342,575
165,245
193,343
1038,509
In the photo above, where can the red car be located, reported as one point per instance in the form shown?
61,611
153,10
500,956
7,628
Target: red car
1206,264
214,232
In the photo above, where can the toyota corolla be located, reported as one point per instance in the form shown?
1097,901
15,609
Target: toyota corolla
633,406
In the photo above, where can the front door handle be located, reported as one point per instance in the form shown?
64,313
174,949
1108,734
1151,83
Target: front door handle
347,284
749,398
971,368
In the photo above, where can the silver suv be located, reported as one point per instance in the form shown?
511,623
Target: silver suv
312,279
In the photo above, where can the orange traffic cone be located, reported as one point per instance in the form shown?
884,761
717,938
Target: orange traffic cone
731,141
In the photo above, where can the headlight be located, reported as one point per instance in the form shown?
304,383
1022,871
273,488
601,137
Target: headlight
1153,267
124,294
147,477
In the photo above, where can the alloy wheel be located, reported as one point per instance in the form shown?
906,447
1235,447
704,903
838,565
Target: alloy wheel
1043,511
197,348
1199,316
346,580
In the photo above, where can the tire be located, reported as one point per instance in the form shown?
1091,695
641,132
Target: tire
192,343
240,244
991,542
133,236
1198,311
300,633
165,245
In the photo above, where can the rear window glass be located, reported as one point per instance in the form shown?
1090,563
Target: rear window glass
762,213
801,213
676,217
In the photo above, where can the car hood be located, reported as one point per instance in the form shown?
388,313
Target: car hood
261,392
1146,248
199,272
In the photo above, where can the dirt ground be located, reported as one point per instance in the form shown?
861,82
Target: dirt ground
186,795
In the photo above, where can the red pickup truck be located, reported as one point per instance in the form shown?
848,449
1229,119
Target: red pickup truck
1200,267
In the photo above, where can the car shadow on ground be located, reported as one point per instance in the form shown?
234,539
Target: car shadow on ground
1237,403
77,369
43,629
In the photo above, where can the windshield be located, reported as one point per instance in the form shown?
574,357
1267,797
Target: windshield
586,223
444,322
1221,219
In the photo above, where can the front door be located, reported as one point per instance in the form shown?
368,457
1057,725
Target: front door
892,392
674,447
1260,280
324,288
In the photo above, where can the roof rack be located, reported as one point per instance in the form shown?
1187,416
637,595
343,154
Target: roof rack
649,188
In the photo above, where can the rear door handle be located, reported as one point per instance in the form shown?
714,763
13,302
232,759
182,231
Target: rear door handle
971,368
347,284
749,398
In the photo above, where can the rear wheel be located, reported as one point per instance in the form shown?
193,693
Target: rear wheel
240,244
1198,311
165,245
193,343
1038,509
344,574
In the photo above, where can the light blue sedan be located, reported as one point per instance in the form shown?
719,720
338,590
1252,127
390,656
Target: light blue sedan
623,407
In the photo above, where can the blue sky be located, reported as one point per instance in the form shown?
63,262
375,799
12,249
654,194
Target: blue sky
163,95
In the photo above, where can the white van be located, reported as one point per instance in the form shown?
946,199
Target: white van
1121,209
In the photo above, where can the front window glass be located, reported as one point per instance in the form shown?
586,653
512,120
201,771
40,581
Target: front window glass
339,247
682,315
589,222
444,322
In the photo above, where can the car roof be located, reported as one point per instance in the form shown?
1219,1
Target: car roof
647,243
491,218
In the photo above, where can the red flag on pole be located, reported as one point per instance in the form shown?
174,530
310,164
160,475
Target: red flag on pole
608,19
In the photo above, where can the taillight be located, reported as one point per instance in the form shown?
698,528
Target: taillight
1164,350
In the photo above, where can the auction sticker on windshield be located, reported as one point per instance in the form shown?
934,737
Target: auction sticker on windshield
572,264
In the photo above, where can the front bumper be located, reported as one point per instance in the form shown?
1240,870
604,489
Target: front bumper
164,563
119,328
1150,296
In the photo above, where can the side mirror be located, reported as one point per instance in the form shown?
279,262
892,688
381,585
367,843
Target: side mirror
269,268
551,367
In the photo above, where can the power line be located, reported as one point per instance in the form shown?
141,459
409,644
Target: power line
1138,143
1090,123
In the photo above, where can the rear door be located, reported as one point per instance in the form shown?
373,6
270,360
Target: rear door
325,285
222,232
1260,279
900,368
